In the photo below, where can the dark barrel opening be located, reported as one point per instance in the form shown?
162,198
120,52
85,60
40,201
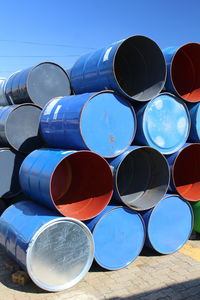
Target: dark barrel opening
185,72
140,68
81,185
22,128
186,174
142,178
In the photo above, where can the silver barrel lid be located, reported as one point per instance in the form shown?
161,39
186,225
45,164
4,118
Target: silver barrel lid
60,254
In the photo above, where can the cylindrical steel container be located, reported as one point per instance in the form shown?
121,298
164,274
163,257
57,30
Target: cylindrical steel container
37,84
19,127
57,252
185,174
101,122
168,225
141,177
3,99
119,235
78,184
163,123
134,67
194,110
196,212
183,71
10,162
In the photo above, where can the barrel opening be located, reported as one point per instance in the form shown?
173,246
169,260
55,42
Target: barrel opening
185,72
142,178
81,185
140,68
186,173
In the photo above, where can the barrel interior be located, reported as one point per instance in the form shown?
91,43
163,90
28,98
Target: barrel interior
22,128
186,173
81,185
47,81
142,178
70,259
139,68
185,72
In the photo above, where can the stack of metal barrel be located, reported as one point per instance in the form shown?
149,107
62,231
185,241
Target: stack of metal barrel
107,159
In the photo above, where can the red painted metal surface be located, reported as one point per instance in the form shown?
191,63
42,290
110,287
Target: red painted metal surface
186,172
185,72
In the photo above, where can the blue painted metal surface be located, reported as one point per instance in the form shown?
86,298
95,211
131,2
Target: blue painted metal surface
135,67
101,122
168,225
194,110
119,236
135,183
169,55
29,232
163,123
36,173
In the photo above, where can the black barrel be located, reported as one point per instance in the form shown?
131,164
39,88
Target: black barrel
19,127
37,84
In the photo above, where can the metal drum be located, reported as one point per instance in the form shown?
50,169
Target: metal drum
78,184
37,84
183,71
194,110
119,235
56,252
3,99
134,67
101,122
19,127
168,225
141,177
185,175
196,212
10,162
163,123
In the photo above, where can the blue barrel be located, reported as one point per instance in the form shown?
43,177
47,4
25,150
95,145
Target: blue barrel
37,84
163,123
101,122
168,225
194,110
119,235
77,184
56,252
185,175
141,177
134,67
183,71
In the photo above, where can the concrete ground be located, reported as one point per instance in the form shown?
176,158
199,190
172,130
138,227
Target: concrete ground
151,276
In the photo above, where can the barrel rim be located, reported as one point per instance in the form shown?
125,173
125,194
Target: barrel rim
132,110
86,267
144,232
113,66
181,101
174,55
118,167
152,211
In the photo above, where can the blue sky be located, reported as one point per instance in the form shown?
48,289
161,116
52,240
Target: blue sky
62,30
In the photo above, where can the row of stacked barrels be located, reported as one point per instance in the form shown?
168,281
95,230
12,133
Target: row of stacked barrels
107,157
